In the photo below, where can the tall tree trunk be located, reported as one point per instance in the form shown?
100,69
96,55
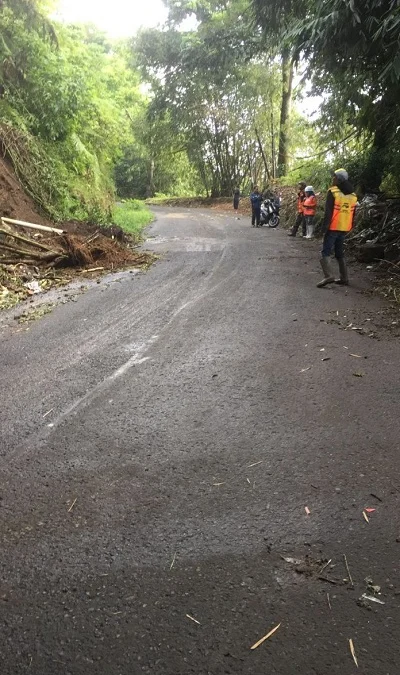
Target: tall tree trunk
150,189
273,150
263,154
287,86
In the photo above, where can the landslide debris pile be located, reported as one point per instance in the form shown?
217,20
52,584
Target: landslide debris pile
57,248
34,257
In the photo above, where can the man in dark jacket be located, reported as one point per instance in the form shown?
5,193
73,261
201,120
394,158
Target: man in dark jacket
340,210
256,199
236,198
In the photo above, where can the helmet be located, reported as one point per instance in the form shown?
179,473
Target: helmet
302,183
309,188
341,175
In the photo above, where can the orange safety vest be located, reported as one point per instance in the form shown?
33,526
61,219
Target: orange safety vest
343,210
310,206
300,200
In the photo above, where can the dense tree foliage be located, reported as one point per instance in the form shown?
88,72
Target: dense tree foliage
68,107
226,97
201,105
352,51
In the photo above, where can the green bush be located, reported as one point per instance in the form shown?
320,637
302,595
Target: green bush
133,216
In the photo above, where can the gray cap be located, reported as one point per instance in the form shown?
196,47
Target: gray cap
309,188
341,175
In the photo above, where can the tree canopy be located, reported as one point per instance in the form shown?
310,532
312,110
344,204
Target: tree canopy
216,98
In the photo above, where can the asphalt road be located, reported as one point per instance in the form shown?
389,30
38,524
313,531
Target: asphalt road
170,437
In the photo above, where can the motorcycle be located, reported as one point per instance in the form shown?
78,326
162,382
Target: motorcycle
270,213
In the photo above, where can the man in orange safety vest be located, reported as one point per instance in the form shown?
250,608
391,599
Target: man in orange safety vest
340,211
300,220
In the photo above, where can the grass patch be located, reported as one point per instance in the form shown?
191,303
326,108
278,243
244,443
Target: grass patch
133,216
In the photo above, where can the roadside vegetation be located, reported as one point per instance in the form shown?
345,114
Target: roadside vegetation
132,216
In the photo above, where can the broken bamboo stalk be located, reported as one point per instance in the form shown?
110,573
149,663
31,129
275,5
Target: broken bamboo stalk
9,261
33,226
30,254
31,242
92,269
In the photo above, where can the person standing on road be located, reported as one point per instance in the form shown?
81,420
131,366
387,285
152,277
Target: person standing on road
340,210
301,195
309,209
236,198
255,199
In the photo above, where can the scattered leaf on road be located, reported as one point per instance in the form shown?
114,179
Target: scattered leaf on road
307,510
292,561
193,619
365,517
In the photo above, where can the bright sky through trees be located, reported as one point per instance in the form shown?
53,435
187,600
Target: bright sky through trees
119,18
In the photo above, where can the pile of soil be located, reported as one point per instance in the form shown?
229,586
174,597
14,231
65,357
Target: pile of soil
14,203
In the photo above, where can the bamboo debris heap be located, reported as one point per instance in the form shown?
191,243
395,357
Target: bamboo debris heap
16,247
49,247
378,227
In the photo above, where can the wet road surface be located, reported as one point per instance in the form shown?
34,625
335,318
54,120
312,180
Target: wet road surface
171,437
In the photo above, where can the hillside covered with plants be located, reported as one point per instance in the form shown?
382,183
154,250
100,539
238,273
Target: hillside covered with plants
226,93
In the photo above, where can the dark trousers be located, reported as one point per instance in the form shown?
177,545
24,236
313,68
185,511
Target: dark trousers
300,220
333,241
236,203
255,216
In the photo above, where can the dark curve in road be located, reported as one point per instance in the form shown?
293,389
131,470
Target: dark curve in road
144,520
